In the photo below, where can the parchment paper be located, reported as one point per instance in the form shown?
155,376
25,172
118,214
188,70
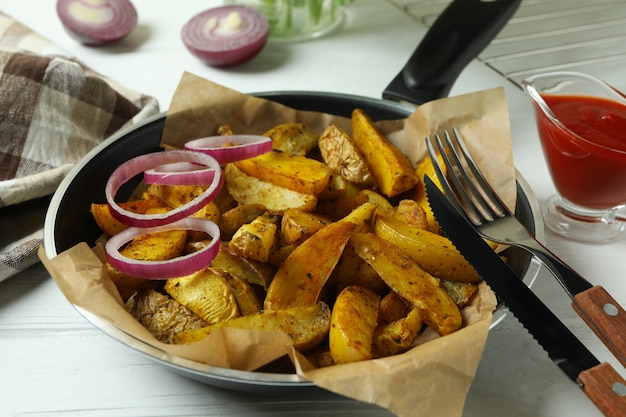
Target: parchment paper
431,379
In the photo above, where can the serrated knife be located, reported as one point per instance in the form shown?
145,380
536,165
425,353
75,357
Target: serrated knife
602,384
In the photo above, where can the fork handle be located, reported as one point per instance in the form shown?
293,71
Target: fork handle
598,309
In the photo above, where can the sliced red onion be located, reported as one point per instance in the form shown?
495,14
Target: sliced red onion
96,22
179,173
140,164
233,148
173,268
226,35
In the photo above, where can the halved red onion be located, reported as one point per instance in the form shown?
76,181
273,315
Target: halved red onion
142,163
96,22
179,173
226,35
177,267
231,148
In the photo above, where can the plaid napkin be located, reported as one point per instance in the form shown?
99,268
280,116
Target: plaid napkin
53,110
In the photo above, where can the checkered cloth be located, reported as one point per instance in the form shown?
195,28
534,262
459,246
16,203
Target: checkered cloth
53,110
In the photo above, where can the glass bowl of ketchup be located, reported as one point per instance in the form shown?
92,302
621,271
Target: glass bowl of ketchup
581,122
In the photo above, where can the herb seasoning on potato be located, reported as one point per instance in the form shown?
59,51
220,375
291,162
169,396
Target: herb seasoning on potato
328,238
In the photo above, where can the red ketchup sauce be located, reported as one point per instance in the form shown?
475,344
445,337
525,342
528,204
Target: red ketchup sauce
587,160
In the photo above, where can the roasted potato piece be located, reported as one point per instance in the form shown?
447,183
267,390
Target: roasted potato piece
425,168
253,272
382,204
244,294
297,225
433,252
128,285
236,217
389,166
301,277
294,172
109,224
342,157
247,189
410,212
352,324
362,216
352,270
422,290
159,246
206,293
176,196
256,240
306,325
294,138
460,292
162,315
398,336
392,308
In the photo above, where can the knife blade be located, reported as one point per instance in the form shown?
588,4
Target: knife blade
599,381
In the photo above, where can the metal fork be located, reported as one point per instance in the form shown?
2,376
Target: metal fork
471,194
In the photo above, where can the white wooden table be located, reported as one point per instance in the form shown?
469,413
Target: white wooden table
53,362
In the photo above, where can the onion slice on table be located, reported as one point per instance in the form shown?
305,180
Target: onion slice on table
173,268
179,173
231,148
142,163
96,22
226,35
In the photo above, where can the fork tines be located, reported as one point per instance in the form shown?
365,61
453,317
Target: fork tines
464,184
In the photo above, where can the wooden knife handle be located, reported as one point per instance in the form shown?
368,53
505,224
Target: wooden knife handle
605,388
605,317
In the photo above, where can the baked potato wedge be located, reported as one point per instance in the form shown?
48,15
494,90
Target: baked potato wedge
236,217
158,246
297,225
256,240
352,270
294,172
352,324
433,252
410,212
460,292
301,277
253,272
109,224
244,294
294,138
392,308
247,189
425,168
342,157
397,336
422,290
390,168
306,325
206,293
162,315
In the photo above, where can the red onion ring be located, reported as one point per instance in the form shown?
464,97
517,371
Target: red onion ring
226,35
140,164
97,22
179,173
231,148
173,268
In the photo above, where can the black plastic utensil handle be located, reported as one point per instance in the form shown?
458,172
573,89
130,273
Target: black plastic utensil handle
458,35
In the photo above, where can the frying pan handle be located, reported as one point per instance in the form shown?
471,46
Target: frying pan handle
458,35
